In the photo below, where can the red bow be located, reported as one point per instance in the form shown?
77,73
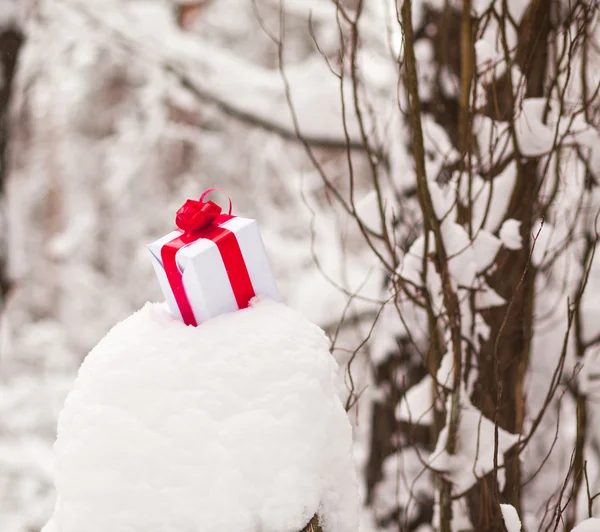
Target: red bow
193,215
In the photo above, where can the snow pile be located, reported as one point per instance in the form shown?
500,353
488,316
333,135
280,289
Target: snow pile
232,425
589,525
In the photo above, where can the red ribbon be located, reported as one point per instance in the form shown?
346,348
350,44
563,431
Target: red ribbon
201,219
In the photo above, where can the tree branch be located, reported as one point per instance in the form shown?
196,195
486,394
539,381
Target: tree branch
241,90
433,224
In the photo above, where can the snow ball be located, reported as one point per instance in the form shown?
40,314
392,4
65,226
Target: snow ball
232,425
510,235
511,518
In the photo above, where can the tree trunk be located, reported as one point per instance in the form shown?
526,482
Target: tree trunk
505,357
11,41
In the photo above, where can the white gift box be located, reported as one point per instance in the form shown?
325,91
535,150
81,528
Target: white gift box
204,276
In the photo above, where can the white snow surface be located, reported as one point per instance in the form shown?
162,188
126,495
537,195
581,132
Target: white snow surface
589,525
489,60
510,234
9,15
534,137
416,406
511,518
474,456
232,425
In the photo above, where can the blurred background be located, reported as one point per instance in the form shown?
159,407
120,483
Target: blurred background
103,140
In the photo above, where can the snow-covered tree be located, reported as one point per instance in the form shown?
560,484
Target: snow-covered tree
493,294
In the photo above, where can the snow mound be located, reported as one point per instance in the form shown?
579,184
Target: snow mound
234,425
589,525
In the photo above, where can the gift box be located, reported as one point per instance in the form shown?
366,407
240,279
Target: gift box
214,263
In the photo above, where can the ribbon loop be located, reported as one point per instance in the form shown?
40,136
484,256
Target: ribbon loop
193,216
209,190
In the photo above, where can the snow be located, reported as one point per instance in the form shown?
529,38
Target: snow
516,8
9,15
424,54
546,236
511,518
510,235
410,268
487,298
443,200
485,247
501,192
438,147
108,144
534,137
489,61
414,480
588,139
237,85
461,262
449,83
589,525
460,515
493,138
417,404
474,456
28,410
490,199
444,375
232,425
589,376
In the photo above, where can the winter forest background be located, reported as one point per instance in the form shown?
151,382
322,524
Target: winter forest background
426,178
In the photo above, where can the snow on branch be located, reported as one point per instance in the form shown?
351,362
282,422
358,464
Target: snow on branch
474,456
244,91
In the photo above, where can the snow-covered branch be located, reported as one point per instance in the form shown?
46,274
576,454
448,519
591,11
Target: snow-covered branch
244,91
